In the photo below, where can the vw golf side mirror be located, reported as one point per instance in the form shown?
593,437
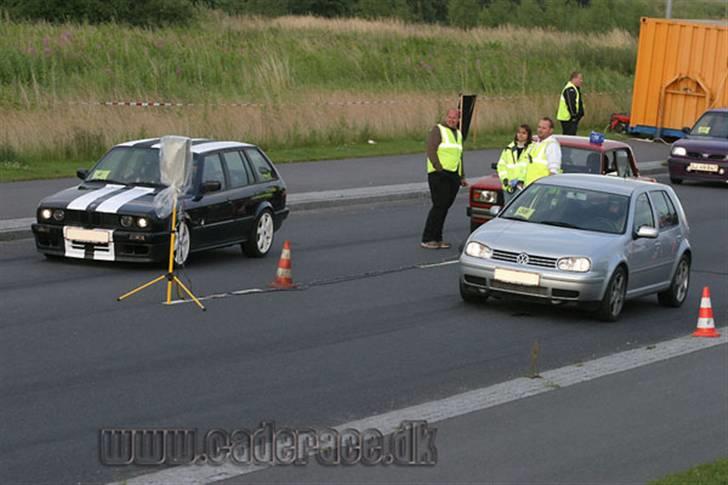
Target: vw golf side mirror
82,173
495,210
646,231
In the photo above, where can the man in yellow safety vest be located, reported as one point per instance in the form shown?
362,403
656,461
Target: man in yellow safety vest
445,175
545,155
571,105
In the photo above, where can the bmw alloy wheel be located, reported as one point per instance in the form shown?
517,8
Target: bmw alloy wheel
264,232
182,243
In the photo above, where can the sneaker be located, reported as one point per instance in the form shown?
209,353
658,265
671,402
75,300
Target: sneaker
430,245
443,245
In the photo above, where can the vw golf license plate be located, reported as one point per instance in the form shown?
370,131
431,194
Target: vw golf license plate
517,277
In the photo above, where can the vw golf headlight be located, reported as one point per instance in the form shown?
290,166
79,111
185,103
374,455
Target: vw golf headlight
679,151
487,196
574,264
477,250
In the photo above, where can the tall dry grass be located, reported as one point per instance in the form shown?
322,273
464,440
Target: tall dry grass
294,68
84,131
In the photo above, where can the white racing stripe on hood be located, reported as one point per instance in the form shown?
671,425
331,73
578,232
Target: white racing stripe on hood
82,202
111,205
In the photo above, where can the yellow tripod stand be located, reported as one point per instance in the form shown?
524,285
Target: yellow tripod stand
170,276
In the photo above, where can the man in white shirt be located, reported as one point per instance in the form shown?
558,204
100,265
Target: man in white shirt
546,155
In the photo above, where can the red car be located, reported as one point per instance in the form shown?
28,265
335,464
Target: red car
578,155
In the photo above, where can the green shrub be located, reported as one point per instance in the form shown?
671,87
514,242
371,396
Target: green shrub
144,13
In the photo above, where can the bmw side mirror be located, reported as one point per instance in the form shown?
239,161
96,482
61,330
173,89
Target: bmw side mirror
495,210
494,165
82,173
646,231
686,130
210,186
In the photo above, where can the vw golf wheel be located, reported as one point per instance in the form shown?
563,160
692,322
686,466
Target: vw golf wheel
678,291
613,301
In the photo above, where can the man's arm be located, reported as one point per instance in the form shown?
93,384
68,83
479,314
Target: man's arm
580,110
433,141
570,96
553,155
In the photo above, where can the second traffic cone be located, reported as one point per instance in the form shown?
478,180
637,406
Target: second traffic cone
706,325
284,276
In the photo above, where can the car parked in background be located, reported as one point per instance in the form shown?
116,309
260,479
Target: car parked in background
578,155
585,239
703,154
236,197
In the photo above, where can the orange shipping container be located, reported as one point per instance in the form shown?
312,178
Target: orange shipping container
682,70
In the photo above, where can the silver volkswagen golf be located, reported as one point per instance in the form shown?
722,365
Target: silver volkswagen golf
589,239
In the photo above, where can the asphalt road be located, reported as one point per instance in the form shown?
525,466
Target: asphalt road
19,199
670,416
368,334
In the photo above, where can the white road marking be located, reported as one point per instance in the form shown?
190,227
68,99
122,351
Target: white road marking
465,403
435,265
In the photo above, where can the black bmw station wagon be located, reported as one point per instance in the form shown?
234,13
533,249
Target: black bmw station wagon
236,197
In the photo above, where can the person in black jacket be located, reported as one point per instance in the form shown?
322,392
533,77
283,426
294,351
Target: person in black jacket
571,105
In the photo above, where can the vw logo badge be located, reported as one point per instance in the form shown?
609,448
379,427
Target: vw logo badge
522,258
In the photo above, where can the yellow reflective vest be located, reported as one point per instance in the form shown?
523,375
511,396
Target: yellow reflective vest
538,165
563,113
513,167
449,151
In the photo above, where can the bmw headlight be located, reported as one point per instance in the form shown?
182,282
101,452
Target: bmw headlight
126,221
679,151
46,214
143,222
487,196
574,264
58,215
477,250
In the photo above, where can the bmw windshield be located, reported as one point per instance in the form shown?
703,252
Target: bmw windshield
712,124
587,210
128,165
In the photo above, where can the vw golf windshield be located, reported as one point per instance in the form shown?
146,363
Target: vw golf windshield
588,210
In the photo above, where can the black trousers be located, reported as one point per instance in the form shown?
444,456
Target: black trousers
569,127
444,188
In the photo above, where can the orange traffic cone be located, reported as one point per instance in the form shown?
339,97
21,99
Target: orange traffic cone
706,325
284,277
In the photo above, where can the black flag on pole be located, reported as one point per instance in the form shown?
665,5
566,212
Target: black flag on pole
466,105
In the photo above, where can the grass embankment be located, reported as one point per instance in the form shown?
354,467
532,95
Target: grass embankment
297,71
715,473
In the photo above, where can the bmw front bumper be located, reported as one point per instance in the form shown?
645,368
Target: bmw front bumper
125,246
